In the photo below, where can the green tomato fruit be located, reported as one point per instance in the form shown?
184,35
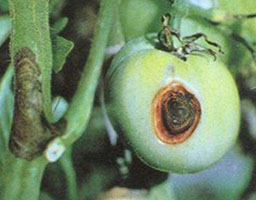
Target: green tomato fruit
237,7
139,17
177,116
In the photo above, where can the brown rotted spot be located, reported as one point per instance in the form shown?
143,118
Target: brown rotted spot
176,113
30,131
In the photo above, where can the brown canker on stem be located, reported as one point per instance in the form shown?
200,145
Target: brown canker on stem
30,131
176,113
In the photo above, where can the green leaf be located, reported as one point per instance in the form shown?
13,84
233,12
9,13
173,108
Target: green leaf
59,26
61,48
45,196
6,106
56,6
5,29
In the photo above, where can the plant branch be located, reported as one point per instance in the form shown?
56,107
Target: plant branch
70,174
80,108
21,179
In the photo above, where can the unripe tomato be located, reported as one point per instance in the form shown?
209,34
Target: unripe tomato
139,17
178,116
237,7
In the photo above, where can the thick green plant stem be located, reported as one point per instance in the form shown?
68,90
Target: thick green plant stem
30,29
21,179
80,108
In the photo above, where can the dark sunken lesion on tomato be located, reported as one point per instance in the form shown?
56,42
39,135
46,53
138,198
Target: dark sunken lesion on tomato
176,113
30,131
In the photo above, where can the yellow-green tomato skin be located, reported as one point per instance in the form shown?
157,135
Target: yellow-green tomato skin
131,91
139,17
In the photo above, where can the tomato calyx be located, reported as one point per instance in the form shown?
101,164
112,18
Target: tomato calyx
188,43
